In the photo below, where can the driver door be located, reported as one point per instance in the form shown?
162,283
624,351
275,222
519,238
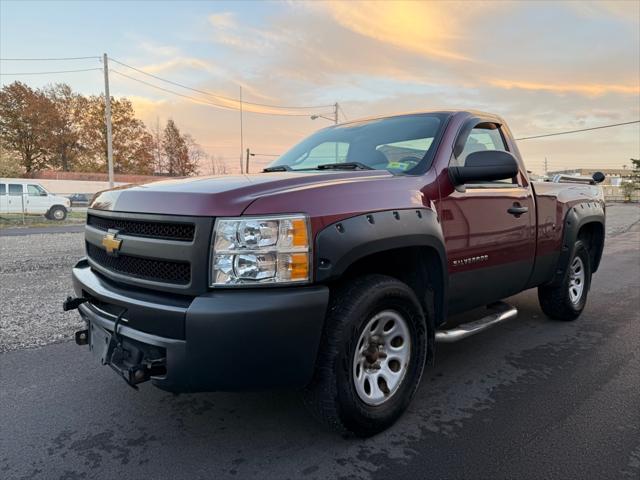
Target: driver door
490,249
37,200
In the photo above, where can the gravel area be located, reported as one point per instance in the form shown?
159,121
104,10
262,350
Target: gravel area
36,278
35,272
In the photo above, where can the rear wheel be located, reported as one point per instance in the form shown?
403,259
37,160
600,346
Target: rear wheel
371,358
566,300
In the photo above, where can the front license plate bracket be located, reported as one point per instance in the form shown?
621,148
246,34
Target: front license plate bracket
135,362
100,342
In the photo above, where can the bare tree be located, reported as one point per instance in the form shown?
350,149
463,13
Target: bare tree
158,152
197,156
216,165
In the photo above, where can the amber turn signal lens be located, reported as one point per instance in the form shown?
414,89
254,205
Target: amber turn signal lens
299,266
299,233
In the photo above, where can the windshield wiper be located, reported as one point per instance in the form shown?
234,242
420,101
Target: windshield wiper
344,166
277,168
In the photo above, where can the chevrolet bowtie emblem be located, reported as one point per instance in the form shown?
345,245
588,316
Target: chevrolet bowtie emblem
111,243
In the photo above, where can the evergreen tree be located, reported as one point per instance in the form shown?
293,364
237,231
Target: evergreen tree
176,152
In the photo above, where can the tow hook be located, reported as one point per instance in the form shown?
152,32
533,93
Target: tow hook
73,303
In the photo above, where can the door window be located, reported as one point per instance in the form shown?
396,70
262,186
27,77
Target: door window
36,191
15,189
3,189
481,139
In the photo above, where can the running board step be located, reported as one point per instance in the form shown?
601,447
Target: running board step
504,312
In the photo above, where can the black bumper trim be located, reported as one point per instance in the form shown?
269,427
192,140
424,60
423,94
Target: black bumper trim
233,339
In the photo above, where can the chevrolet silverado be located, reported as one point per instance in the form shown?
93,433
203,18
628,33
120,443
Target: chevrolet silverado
338,268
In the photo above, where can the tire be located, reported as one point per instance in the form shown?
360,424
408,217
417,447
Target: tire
566,300
337,395
57,213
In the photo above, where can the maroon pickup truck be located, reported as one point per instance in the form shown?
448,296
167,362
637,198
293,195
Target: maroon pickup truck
337,268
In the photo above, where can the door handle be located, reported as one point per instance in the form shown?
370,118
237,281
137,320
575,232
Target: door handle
516,210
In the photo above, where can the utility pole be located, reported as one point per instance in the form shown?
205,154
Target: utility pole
546,166
248,155
241,133
335,122
334,118
107,114
157,148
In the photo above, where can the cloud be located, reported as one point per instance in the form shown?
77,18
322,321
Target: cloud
158,50
426,28
626,10
223,20
147,108
227,31
543,66
588,89
180,63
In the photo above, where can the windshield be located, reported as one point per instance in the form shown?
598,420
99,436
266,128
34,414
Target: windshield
399,144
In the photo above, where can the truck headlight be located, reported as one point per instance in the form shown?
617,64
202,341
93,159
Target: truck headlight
256,250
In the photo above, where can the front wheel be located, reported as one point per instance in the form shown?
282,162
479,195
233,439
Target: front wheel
566,300
57,213
371,356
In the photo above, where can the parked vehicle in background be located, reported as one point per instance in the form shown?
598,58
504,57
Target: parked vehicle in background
80,199
31,198
338,268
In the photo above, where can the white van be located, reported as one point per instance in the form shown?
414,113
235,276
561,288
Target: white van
18,196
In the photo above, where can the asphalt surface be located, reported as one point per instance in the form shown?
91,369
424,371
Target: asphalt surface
531,398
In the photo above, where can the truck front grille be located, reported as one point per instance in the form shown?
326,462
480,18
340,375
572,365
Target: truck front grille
183,232
166,271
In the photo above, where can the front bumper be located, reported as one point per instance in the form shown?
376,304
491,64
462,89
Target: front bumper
222,340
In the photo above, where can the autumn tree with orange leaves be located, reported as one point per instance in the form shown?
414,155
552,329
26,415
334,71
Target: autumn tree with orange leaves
57,128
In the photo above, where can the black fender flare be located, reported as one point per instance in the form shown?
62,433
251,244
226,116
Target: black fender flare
577,217
343,243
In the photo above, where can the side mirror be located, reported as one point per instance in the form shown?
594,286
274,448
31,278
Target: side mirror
485,166
598,177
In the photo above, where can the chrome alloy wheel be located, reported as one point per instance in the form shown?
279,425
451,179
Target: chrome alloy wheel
382,357
58,214
576,280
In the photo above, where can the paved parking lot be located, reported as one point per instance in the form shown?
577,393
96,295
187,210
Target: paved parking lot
529,399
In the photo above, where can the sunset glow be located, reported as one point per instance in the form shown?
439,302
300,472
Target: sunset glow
545,66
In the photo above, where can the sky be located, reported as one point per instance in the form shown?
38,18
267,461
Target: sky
545,66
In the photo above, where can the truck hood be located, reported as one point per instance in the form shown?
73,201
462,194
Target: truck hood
222,195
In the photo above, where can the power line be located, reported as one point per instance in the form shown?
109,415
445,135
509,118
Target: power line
197,100
50,73
221,97
203,101
46,59
580,130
